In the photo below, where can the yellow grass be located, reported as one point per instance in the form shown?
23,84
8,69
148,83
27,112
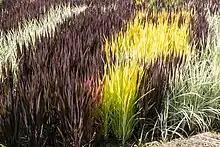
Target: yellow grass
149,40
142,41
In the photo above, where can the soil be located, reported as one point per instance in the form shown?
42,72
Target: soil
207,139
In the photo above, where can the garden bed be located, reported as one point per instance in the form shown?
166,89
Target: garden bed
208,139
109,73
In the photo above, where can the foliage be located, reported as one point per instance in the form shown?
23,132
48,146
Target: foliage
32,29
193,98
120,99
17,12
145,39
118,69
127,54
57,82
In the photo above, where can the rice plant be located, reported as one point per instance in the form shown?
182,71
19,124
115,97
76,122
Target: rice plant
118,67
158,45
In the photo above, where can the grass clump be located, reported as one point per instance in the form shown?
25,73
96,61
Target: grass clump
126,58
193,98
57,89
145,39
120,99
34,28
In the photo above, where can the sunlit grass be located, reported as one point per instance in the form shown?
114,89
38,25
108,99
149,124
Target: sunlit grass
120,98
145,40
126,55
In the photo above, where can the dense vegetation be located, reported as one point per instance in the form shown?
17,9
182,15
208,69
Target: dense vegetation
108,72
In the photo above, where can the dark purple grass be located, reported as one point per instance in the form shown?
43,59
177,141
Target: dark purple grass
18,11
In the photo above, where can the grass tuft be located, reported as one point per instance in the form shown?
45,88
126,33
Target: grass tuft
192,98
128,57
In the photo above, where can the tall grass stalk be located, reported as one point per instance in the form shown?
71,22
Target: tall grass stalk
120,98
26,34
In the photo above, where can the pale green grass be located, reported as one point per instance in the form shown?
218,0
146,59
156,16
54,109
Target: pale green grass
214,36
27,32
193,97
